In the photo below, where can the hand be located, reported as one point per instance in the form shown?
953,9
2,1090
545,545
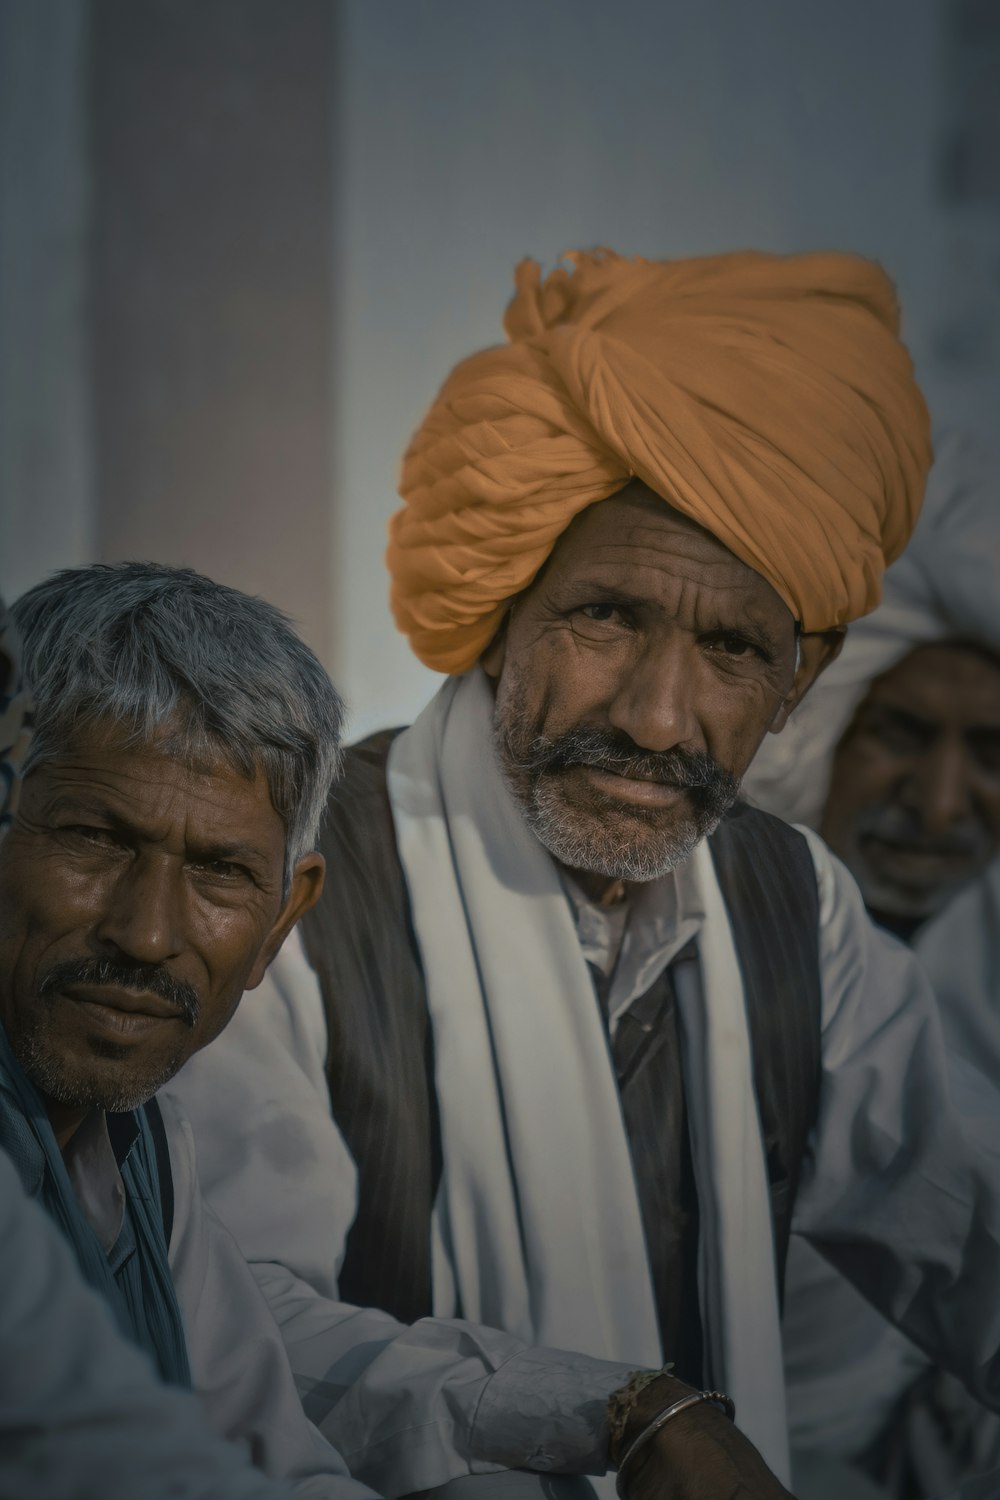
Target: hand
699,1455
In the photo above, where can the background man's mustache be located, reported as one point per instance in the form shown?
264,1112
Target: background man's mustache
108,971
898,826
692,770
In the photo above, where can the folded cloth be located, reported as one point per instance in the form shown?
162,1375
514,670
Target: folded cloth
944,587
767,397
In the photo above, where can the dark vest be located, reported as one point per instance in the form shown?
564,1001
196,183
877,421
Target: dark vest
380,1065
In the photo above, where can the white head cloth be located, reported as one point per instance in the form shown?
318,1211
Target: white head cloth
945,585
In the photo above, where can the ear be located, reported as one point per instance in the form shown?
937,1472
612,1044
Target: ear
305,890
817,649
493,657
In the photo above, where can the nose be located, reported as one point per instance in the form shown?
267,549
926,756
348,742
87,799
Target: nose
654,701
143,918
940,787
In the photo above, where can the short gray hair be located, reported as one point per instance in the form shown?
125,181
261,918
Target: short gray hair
162,650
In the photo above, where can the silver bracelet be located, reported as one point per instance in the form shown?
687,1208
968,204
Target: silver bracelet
719,1398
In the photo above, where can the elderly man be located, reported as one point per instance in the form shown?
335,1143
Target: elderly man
82,1412
158,854
577,1042
896,759
161,850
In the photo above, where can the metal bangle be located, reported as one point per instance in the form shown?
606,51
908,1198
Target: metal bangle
719,1398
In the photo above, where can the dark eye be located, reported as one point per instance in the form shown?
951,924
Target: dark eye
985,747
84,833
900,739
599,613
896,732
731,644
222,869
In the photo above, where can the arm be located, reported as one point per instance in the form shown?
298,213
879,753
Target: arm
271,1160
897,1196
238,1362
82,1412
409,1408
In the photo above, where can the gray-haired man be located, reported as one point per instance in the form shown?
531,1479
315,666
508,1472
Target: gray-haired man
81,1411
185,743
144,880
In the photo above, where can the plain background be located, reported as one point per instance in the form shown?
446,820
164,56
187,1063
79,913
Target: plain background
243,241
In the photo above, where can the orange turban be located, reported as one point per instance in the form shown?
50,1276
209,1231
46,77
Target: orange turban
765,396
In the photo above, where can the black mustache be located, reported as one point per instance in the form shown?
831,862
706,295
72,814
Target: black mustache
143,977
896,826
691,770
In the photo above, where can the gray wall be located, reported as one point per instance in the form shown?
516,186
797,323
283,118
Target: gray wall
244,240
46,417
165,291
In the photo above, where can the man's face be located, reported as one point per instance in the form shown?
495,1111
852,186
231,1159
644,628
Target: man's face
635,680
138,899
914,802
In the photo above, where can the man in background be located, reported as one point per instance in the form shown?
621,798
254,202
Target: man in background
895,758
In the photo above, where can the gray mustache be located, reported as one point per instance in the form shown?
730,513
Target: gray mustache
107,971
695,771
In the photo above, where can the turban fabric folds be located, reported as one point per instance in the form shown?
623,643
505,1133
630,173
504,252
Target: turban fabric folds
766,397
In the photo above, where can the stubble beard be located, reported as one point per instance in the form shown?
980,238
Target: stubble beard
115,1077
106,1081
587,829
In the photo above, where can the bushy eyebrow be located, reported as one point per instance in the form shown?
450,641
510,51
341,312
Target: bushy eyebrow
593,591
906,719
903,717
245,853
86,805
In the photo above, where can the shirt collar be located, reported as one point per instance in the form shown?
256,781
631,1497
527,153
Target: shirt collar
633,942
93,1158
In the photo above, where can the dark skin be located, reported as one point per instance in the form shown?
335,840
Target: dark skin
645,624
127,854
699,1455
914,801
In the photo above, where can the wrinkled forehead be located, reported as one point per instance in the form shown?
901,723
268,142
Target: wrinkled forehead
636,531
179,742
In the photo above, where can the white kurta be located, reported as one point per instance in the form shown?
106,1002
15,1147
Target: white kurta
73,1373
239,1366
82,1412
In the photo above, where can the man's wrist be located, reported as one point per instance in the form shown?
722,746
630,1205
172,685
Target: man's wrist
636,1404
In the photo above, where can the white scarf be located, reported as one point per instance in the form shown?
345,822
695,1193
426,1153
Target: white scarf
538,1214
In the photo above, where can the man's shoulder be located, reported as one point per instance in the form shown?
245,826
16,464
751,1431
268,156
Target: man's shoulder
364,880
363,771
746,825
766,865
366,759
358,809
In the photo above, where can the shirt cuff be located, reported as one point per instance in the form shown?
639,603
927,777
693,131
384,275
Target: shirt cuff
547,1410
